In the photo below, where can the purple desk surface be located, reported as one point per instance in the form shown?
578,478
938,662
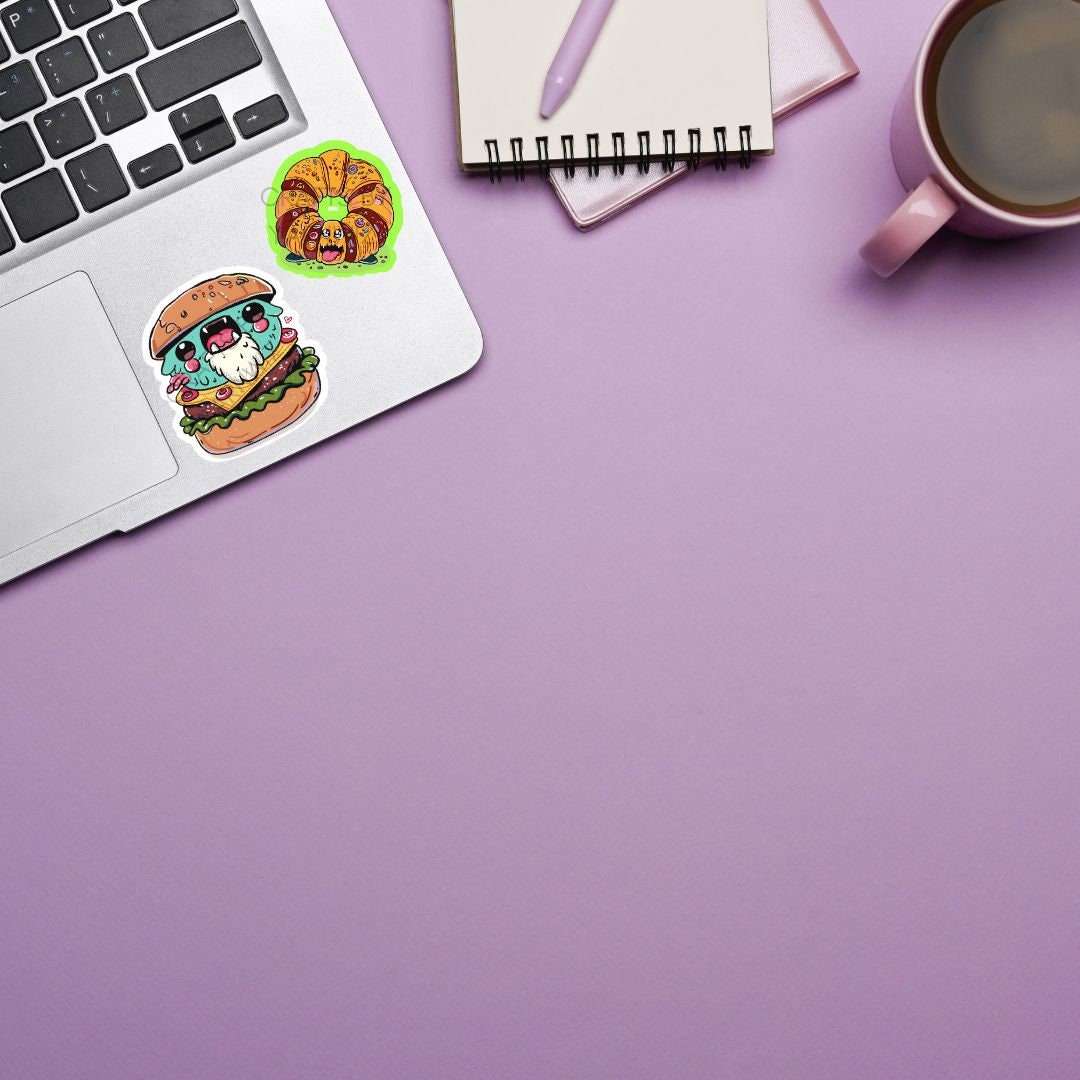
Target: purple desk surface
689,692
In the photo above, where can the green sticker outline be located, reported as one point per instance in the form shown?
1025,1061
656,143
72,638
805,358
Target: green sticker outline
317,271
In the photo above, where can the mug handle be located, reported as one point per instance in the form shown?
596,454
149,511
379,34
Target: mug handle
922,214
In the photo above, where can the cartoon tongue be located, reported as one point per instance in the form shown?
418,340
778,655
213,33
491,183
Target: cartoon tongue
225,338
331,256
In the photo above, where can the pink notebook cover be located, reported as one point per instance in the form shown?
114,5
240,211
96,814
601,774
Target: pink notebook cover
808,60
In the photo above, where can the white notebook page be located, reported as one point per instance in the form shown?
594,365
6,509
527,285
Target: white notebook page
659,65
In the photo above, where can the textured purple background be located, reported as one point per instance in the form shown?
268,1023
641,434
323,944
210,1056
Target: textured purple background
689,692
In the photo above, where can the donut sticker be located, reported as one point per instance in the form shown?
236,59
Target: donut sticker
234,363
333,211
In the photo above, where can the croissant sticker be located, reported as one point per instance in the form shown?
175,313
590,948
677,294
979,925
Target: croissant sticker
233,362
334,211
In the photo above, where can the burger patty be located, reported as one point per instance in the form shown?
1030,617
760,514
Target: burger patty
280,371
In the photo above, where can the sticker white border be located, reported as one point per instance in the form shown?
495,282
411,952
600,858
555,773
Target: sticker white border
289,319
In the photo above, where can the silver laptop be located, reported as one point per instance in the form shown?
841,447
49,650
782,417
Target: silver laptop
211,257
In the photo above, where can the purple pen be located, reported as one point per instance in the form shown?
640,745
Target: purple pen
572,54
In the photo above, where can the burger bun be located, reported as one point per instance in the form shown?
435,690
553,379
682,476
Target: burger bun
261,425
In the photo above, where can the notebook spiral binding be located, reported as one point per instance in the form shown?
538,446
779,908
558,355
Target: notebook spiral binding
644,159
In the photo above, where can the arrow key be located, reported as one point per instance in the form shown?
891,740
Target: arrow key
262,116
97,179
208,142
156,166
195,116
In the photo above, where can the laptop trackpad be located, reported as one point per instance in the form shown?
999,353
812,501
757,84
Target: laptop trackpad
76,432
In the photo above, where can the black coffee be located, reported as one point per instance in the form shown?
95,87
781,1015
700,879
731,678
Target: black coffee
1003,102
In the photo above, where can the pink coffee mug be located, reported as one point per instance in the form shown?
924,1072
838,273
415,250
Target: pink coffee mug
937,197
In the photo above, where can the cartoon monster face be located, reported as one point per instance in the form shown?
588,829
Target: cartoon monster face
228,347
332,243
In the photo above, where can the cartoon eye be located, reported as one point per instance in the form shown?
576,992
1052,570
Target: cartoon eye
185,353
338,234
253,313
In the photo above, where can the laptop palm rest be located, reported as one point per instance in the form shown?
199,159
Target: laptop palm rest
77,435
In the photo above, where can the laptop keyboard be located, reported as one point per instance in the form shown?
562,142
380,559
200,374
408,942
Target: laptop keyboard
82,84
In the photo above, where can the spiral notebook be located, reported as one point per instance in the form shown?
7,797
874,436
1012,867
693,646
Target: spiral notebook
667,81
809,58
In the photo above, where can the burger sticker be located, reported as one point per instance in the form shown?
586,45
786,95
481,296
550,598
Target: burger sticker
236,370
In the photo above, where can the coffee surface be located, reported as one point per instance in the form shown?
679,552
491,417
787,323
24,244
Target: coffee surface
1003,101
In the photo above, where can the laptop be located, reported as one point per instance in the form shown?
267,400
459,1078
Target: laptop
211,258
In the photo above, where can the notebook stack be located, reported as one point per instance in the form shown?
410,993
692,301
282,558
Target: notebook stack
663,82
667,90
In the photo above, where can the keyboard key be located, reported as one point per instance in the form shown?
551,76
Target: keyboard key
5,52
209,142
64,129
202,129
97,179
199,66
198,114
116,104
66,67
170,21
156,166
30,23
7,241
78,13
118,43
19,90
39,205
19,153
261,117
